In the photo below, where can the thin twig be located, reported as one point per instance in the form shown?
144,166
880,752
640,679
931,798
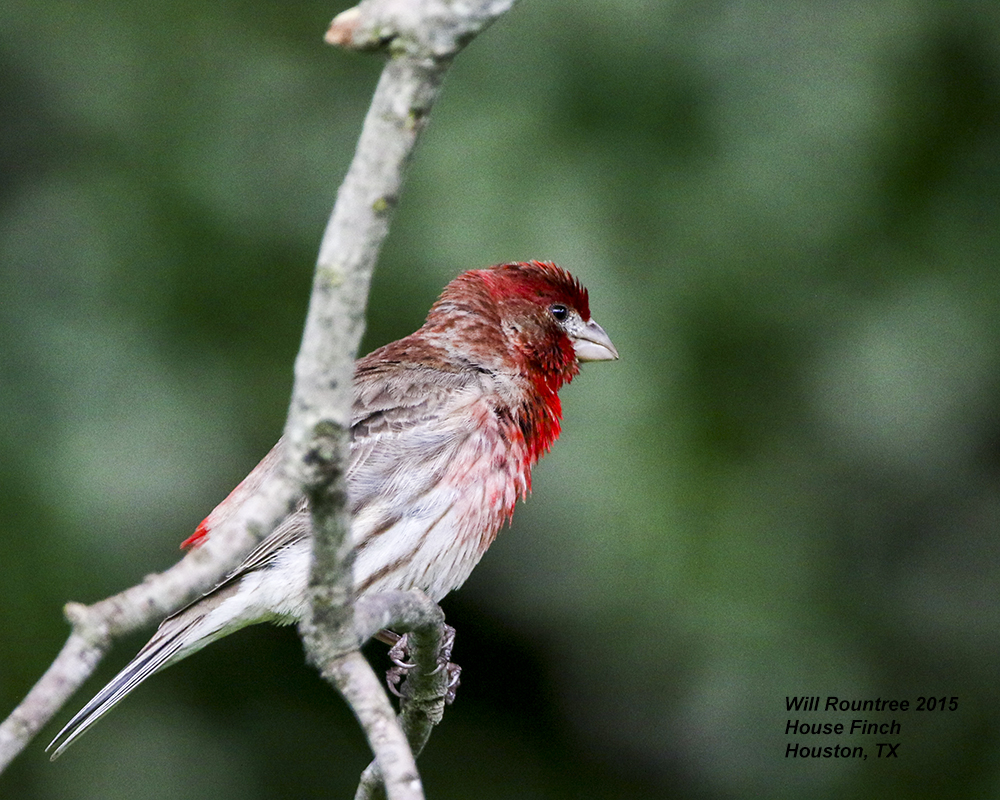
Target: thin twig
423,37
363,691
97,625
426,684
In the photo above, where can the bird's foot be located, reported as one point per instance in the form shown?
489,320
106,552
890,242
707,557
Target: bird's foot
401,666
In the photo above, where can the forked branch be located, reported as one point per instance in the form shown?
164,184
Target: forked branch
422,38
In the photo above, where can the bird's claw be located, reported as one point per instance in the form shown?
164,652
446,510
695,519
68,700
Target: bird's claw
454,679
398,655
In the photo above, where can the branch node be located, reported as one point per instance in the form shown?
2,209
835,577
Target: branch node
433,30
89,625
346,31
324,446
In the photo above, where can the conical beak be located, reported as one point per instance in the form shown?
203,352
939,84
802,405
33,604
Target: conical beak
593,344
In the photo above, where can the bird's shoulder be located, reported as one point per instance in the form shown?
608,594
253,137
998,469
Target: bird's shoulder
392,396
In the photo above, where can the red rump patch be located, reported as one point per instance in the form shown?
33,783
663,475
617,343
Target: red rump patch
201,532
198,537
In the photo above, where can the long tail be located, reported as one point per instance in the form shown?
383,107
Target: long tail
269,586
178,636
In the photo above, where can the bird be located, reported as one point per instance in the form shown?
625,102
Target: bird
446,426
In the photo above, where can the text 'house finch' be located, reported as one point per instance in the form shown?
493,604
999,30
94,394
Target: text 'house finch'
447,423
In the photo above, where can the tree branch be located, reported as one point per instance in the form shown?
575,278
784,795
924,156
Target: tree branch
426,688
422,36
97,625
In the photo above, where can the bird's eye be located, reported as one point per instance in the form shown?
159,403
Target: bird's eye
559,311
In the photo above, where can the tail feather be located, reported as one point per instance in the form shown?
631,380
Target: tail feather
177,637
158,653
269,586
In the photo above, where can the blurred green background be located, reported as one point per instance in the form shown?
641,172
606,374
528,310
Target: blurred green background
788,216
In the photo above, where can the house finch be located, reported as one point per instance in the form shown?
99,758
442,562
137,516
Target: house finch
447,423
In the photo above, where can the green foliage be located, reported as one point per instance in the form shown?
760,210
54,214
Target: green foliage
788,216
